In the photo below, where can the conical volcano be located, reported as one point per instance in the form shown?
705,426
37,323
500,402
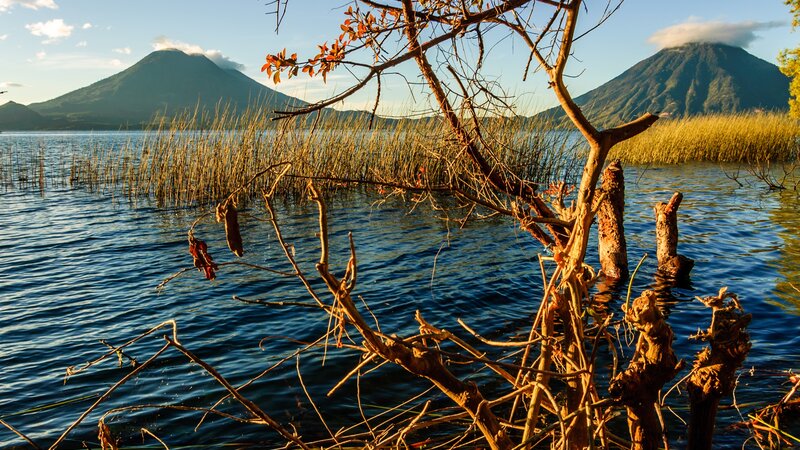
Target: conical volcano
693,79
165,82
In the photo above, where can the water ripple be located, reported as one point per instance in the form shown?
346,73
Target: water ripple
77,268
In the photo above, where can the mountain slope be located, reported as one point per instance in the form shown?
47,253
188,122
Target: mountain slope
14,116
693,79
165,82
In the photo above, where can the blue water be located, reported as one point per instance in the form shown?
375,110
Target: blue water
79,267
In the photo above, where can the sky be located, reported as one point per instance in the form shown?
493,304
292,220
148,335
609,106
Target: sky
51,47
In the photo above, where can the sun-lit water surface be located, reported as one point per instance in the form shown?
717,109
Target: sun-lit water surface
77,268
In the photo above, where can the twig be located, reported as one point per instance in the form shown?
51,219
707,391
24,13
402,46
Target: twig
355,370
149,433
120,354
630,283
407,429
311,400
277,303
262,374
20,434
249,405
496,343
71,370
105,395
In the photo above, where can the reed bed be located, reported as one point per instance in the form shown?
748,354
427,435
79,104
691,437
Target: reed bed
179,164
742,138
23,170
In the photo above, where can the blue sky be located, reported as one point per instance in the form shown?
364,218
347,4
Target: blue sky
50,47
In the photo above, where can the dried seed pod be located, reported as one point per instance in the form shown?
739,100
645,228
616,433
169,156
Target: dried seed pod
202,260
232,234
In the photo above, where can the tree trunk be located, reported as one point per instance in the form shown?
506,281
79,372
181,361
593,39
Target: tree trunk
670,263
653,364
610,229
714,373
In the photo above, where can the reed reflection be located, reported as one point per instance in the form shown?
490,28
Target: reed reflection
787,215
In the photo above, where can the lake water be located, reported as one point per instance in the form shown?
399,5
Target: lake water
78,267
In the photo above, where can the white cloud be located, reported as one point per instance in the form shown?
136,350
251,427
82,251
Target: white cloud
122,51
740,34
41,55
81,44
54,30
3,37
164,43
10,84
86,26
7,5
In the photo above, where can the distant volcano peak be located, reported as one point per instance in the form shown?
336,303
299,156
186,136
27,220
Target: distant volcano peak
165,82
692,79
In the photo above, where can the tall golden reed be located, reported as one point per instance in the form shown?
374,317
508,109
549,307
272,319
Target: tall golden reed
745,138
181,163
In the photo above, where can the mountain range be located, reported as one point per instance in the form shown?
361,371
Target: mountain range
690,80
693,79
164,83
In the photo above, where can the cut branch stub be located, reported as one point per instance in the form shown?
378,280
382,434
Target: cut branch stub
670,263
610,228
714,372
653,364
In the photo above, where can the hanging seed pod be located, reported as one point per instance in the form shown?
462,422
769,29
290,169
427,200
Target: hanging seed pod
232,235
202,260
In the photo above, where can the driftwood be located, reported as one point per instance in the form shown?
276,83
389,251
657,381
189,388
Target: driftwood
714,374
670,263
653,364
611,243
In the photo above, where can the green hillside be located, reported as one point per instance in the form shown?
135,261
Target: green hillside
163,83
14,116
694,79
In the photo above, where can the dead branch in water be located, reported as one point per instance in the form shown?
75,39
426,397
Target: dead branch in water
652,365
611,244
670,263
714,372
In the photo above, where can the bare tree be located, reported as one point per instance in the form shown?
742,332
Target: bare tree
558,356
463,97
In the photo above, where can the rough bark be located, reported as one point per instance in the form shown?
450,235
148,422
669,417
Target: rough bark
612,246
653,364
714,372
670,263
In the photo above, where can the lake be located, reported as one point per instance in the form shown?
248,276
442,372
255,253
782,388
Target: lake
78,268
